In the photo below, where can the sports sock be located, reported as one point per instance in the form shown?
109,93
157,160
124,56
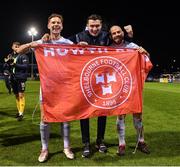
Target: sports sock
121,130
17,104
44,131
66,129
139,128
21,105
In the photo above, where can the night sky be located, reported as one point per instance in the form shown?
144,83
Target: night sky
155,25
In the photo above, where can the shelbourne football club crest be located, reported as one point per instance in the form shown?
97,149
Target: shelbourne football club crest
106,82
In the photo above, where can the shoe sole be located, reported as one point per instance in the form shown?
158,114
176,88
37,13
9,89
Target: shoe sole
83,156
69,157
41,161
145,152
103,151
100,150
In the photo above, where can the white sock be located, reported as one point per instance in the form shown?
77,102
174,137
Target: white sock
121,130
139,128
44,131
66,130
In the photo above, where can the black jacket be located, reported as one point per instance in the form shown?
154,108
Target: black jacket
101,40
21,67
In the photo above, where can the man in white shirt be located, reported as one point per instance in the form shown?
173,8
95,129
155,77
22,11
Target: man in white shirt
117,36
55,26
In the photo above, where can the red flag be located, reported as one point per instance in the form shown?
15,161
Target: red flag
146,67
80,82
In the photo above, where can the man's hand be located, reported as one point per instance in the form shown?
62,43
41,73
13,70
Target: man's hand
82,43
129,30
6,59
143,51
46,37
33,44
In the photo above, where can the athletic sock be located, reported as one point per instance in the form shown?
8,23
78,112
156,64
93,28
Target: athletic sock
66,129
44,131
139,128
121,130
21,105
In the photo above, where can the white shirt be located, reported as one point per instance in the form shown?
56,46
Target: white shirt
126,44
61,40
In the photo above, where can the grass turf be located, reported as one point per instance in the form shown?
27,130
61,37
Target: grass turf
20,141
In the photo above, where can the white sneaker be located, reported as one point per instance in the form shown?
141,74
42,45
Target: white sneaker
43,156
69,154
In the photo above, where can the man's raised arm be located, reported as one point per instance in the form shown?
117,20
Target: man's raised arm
25,47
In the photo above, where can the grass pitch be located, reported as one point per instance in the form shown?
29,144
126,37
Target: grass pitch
20,141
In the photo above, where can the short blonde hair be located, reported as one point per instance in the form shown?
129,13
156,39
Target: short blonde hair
55,15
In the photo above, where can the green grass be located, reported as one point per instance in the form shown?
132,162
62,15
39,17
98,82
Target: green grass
20,141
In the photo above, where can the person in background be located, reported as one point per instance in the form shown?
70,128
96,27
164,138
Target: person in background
19,75
7,71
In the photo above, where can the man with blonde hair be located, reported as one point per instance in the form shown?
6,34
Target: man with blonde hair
55,26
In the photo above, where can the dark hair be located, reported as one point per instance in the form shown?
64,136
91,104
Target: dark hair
55,15
16,43
94,17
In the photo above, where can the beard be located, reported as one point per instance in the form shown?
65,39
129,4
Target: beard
118,39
